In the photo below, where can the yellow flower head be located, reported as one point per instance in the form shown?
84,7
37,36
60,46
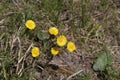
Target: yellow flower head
61,40
54,51
53,31
35,51
71,46
30,24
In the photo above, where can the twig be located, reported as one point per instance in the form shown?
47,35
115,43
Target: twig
74,74
49,78
26,53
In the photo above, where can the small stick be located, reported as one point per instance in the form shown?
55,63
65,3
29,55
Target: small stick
74,74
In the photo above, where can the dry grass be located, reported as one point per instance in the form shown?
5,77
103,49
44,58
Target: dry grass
94,25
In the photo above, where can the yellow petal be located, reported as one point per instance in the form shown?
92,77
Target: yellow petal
54,51
71,46
53,31
61,40
35,51
30,24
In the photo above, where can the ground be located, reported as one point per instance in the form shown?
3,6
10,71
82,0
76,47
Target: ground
94,26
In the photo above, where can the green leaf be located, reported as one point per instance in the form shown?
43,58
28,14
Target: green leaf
14,78
42,35
109,59
103,60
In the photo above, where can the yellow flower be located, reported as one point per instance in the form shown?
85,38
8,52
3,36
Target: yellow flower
61,40
54,51
53,31
30,24
35,51
71,46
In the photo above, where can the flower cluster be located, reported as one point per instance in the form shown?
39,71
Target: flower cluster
59,40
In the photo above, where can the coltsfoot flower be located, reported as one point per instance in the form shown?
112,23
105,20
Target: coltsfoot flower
30,24
61,40
54,51
53,31
71,46
35,52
